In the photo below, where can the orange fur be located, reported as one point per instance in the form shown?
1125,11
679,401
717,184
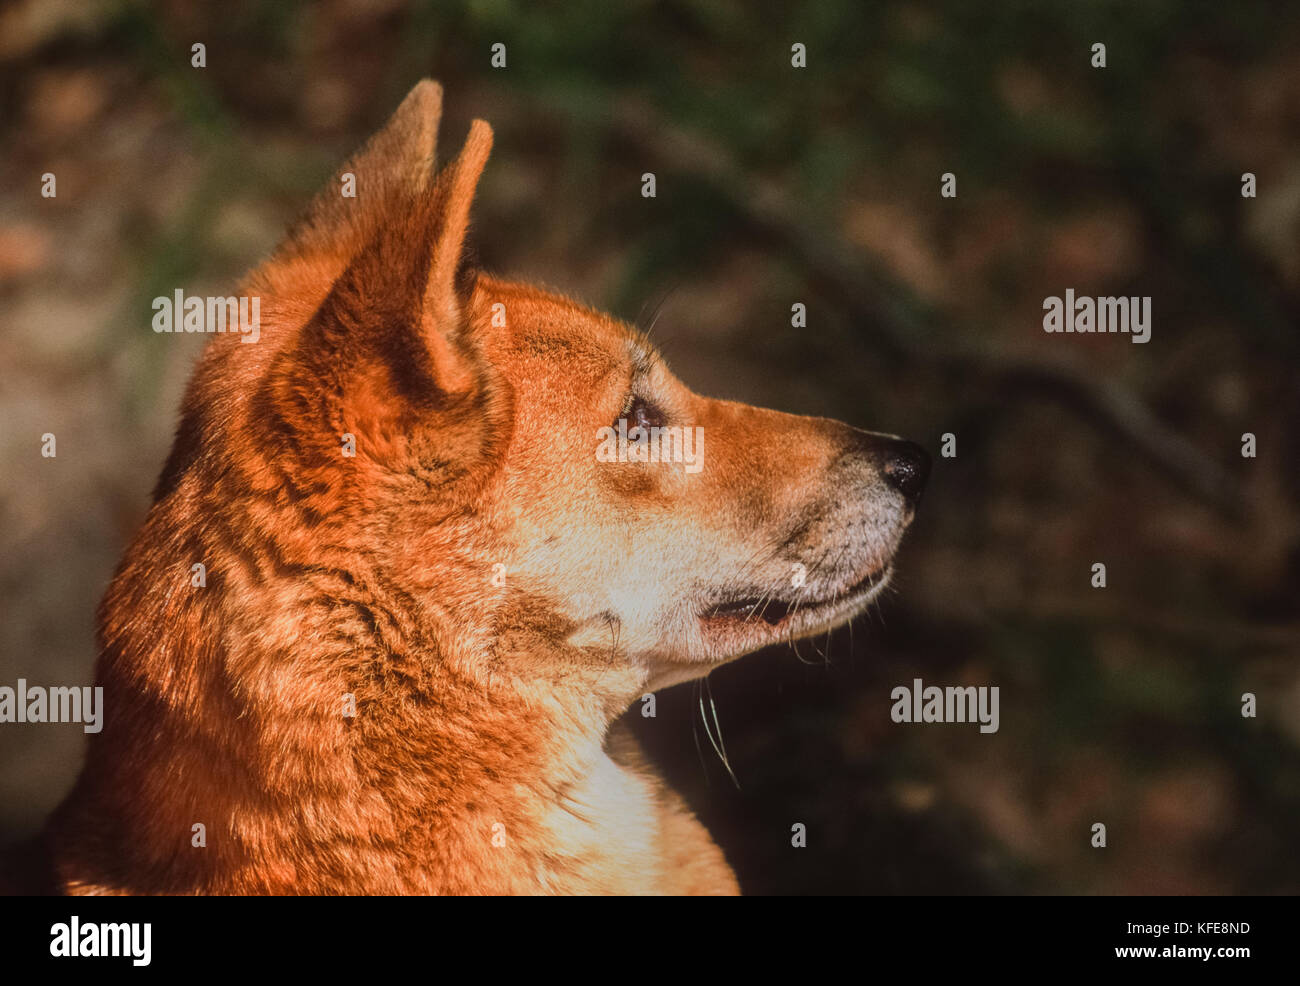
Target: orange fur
491,594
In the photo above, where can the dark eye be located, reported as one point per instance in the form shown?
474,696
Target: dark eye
643,414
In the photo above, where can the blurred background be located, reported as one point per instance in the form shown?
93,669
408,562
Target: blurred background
776,185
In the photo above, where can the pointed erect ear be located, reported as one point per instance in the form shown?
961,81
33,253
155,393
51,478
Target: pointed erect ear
453,194
394,307
381,347
395,165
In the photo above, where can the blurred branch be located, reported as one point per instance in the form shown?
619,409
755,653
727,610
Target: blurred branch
907,327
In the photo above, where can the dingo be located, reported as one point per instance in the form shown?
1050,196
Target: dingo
425,595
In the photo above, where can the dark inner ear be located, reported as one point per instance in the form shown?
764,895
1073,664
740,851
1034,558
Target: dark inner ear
467,270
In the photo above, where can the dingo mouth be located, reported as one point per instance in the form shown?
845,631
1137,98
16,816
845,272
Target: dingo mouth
796,613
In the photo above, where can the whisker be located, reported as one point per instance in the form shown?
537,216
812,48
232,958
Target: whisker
717,746
695,735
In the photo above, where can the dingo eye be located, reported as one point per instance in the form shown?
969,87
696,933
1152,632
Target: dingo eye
643,414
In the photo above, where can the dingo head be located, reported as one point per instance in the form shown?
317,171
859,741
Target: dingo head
521,473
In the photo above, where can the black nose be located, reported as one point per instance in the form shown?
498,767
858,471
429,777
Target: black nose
906,468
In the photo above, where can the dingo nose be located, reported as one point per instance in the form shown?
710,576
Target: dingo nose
906,468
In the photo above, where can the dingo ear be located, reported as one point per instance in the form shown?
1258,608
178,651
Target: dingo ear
453,195
386,337
394,167
381,350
